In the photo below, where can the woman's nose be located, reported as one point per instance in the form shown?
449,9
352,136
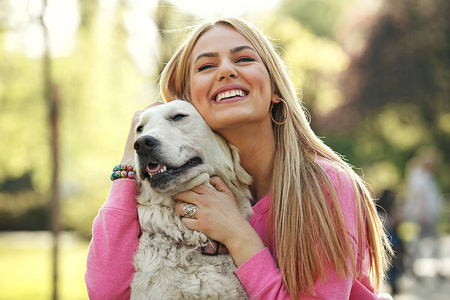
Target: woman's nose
226,70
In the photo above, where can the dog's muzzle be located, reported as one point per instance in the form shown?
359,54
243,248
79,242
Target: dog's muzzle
154,167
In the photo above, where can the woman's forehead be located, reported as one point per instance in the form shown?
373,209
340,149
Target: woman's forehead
219,38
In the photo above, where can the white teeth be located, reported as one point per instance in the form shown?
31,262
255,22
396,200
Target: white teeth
164,169
229,94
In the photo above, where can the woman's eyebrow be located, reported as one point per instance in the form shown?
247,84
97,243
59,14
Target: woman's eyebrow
207,54
232,51
240,48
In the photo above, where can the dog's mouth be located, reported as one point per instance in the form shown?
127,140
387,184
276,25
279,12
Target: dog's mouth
160,174
154,168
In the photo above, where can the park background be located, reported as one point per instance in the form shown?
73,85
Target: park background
373,74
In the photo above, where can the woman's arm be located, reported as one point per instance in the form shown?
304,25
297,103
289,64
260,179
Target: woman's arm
262,279
115,238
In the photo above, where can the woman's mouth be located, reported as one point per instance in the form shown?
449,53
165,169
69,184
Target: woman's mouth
230,94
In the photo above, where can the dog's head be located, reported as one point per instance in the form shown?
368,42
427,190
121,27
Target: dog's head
174,145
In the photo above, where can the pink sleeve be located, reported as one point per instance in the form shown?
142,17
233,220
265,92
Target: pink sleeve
115,238
262,279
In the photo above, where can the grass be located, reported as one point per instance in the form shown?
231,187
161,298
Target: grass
26,270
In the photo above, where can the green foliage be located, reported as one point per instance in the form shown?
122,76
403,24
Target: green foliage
170,21
23,128
99,89
397,89
322,17
315,62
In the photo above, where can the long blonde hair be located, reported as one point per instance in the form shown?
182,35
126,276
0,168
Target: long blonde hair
302,219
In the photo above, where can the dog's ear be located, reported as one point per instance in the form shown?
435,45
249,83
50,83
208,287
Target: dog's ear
241,174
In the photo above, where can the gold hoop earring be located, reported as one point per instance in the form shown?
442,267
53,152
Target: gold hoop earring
286,112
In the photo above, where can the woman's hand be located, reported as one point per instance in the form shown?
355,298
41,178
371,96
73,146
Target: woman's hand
219,218
128,155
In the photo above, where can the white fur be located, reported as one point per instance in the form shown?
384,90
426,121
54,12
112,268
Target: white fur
167,263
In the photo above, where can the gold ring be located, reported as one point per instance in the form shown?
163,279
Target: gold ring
189,210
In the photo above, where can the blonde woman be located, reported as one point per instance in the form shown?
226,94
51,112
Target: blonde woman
315,232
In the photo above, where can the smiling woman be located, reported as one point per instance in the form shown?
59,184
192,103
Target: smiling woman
314,231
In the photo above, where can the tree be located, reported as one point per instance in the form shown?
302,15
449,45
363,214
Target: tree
397,87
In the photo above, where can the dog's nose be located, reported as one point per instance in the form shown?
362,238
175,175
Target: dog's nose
145,143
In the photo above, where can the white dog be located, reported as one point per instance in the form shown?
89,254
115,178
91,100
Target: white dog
176,151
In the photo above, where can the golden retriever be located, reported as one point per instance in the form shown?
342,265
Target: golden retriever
176,151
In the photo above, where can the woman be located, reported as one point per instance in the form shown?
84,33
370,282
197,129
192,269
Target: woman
315,232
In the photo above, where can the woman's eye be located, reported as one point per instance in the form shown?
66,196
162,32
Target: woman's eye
245,59
204,67
177,117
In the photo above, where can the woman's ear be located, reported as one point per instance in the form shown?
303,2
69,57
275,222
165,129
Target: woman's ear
275,98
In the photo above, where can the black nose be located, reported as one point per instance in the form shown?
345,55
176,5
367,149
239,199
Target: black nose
145,143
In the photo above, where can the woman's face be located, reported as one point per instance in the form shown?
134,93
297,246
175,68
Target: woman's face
229,84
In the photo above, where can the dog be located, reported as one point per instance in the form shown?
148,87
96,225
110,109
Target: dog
176,151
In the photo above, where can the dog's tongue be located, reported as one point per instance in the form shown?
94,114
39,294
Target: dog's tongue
152,168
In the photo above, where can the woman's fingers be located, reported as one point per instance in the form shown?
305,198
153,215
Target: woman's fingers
154,104
219,185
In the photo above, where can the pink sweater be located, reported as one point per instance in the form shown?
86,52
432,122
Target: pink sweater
115,237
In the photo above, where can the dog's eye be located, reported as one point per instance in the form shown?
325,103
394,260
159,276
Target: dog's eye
140,128
178,117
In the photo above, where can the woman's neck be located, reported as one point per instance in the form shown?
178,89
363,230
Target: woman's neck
256,152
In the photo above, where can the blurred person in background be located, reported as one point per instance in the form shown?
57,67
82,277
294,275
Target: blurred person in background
424,202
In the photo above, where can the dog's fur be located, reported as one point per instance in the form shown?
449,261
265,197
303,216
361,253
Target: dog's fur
168,264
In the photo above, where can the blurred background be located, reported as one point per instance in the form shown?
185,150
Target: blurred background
374,75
